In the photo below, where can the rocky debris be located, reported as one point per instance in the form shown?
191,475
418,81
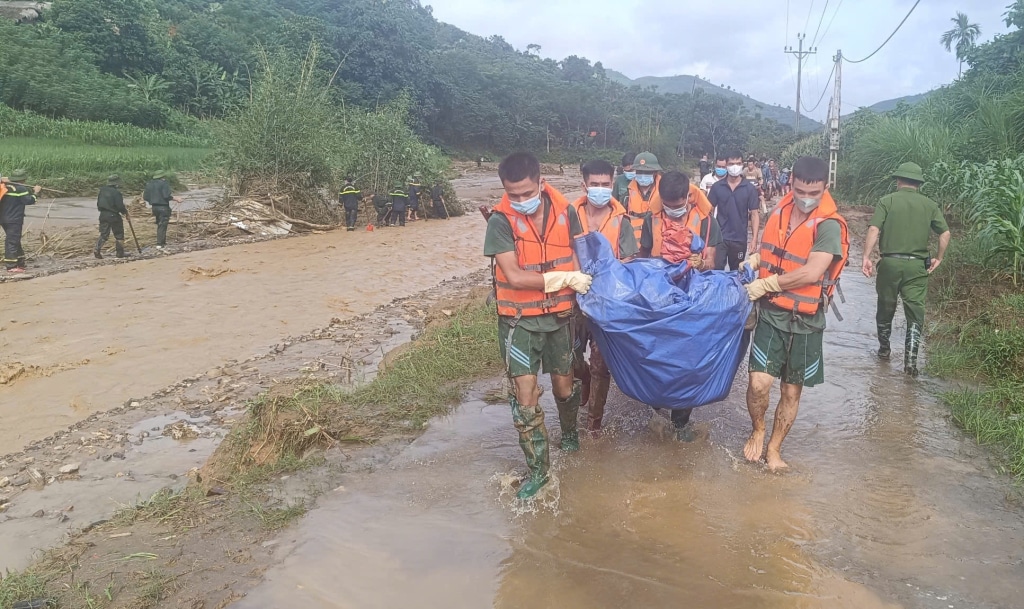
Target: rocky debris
38,514
70,468
182,430
5,482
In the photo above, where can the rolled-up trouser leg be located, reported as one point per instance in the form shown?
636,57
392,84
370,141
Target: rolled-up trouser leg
568,415
533,439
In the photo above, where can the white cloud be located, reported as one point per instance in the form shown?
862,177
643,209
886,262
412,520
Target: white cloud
742,48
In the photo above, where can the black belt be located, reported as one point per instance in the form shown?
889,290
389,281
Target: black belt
902,256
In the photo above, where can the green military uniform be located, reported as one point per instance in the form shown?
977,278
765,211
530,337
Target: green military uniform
620,190
788,345
905,219
382,205
529,344
158,195
110,204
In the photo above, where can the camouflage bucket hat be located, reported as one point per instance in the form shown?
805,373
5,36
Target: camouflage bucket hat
646,161
19,175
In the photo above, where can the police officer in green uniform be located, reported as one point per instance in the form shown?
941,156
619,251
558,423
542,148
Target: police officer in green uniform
158,195
621,188
12,218
901,226
349,198
110,203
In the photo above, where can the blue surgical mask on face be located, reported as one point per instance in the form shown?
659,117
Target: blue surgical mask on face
528,207
721,171
599,196
629,174
645,179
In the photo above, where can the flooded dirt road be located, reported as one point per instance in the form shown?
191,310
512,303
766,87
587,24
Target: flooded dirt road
888,505
69,212
87,341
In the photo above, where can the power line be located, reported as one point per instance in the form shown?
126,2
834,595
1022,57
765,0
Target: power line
829,26
808,20
889,38
820,19
823,92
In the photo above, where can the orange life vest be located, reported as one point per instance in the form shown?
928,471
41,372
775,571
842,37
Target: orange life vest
610,228
639,209
3,190
694,218
553,252
781,254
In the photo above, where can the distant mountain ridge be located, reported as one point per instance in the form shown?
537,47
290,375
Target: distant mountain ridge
684,83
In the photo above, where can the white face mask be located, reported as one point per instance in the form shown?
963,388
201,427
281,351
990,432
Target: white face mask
808,205
735,170
677,212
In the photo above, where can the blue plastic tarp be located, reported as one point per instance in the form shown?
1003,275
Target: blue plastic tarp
672,336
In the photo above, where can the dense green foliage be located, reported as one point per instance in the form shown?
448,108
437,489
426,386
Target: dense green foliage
145,62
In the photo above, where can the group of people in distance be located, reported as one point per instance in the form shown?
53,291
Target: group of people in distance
650,212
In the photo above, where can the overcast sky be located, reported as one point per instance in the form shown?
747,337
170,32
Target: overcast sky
743,48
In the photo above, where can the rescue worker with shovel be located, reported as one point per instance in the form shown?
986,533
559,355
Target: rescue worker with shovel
110,204
902,223
14,197
529,236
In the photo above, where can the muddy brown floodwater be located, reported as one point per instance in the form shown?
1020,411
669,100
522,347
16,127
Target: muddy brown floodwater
888,505
83,342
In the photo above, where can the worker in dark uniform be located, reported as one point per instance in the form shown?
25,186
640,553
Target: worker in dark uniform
382,204
110,203
12,217
414,197
158,196
349,199
437,196
399,205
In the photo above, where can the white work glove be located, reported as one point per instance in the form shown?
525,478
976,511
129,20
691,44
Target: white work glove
559,280
758,288
753,261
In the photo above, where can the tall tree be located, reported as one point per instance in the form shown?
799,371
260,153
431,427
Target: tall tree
962,37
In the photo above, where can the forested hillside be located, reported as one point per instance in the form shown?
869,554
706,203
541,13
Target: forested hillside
166,63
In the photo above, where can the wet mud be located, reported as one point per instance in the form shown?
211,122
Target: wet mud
887,505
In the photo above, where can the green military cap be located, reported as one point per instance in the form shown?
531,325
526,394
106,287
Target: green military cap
113,180
19,175
646,161
909,171
159,174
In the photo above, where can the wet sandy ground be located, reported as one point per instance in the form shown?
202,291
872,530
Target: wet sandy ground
68,212
888,505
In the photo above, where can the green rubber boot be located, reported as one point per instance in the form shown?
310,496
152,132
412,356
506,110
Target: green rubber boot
533,439
912,345
884,349
568,419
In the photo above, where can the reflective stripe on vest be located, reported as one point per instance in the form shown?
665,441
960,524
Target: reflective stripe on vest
782,253
640,209
611,228
553,252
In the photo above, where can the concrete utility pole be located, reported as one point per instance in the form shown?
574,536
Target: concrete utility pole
800,54
834,112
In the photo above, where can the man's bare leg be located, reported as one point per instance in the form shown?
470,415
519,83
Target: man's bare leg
527,390
758,389
561,385
785,415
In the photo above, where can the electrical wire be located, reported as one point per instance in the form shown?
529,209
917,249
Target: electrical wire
823,92
829,26
887,39
820,20
808,20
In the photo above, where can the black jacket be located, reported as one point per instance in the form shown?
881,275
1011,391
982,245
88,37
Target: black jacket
12,206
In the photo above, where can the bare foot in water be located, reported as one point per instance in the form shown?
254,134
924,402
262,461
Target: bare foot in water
775,462
755,447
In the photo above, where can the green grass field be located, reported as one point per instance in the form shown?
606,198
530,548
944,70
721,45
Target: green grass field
75,157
